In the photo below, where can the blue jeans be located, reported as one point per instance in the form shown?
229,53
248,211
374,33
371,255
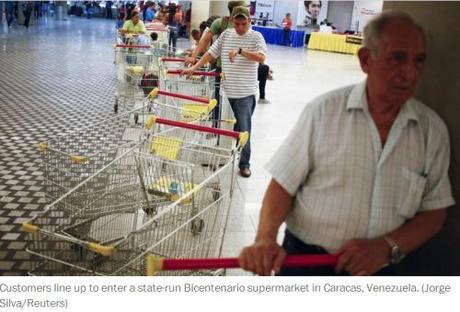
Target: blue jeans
243,109
173,34
295,246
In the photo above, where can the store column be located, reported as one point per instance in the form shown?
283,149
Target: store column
439,89
200,12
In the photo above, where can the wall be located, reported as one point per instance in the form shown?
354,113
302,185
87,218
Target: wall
363,11
200,12
340,13
284,7
439,88
219,8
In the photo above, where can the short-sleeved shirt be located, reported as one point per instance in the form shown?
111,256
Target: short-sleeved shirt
218,27
149,14
241,75
345,184
130,27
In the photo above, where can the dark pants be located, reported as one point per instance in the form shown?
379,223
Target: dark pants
109,12
27,15
243,109
173,34
9,13
295,246
262,76
287,37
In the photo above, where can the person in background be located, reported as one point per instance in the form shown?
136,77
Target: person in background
149,12
134,25
108,8
37,9
27,8
88,9
347,185
263,72
287,24
173,22
196,35
180,19
241,49
9,12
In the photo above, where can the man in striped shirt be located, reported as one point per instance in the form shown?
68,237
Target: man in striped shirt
364,172
241,50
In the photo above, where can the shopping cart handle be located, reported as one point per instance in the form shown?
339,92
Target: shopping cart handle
173,59
131,46
156,264
197,99
154,119
195,73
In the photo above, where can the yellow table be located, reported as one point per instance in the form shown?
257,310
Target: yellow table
332,43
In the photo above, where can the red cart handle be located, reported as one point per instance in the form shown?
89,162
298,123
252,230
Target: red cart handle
153,94
195,73
173,59
131,46
156,264
242,136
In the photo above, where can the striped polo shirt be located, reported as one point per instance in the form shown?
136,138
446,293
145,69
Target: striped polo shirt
241,75
346,185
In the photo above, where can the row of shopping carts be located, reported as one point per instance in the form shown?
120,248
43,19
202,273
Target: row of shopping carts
154,180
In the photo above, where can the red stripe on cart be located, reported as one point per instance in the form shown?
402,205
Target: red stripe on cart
228,263
185,125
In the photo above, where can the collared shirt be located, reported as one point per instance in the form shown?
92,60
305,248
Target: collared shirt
241,75
346,185
130,27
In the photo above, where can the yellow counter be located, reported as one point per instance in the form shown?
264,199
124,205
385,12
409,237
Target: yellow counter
332,43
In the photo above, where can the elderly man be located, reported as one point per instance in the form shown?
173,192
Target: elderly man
363,174
241,50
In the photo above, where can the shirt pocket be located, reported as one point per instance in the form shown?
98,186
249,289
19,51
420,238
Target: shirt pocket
411,193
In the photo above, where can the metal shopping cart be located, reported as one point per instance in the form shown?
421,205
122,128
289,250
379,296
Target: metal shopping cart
168,196
200,83
137,69
71,158
180,107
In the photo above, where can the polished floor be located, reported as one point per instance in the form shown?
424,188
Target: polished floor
58,76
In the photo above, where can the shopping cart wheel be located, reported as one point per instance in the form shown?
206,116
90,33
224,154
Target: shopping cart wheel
197,226
136,118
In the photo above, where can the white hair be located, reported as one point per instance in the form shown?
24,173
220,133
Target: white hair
373,30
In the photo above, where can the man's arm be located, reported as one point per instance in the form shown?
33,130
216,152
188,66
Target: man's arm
367,256
201,47
252,56
207,57
265,255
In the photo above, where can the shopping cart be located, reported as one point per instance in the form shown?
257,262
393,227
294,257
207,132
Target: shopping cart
168,196
200,83
180,107
71,158
137,69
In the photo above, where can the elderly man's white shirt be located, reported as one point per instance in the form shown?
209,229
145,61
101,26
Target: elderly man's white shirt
345,184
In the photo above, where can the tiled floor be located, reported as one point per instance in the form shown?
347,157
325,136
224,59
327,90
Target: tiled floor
59,76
